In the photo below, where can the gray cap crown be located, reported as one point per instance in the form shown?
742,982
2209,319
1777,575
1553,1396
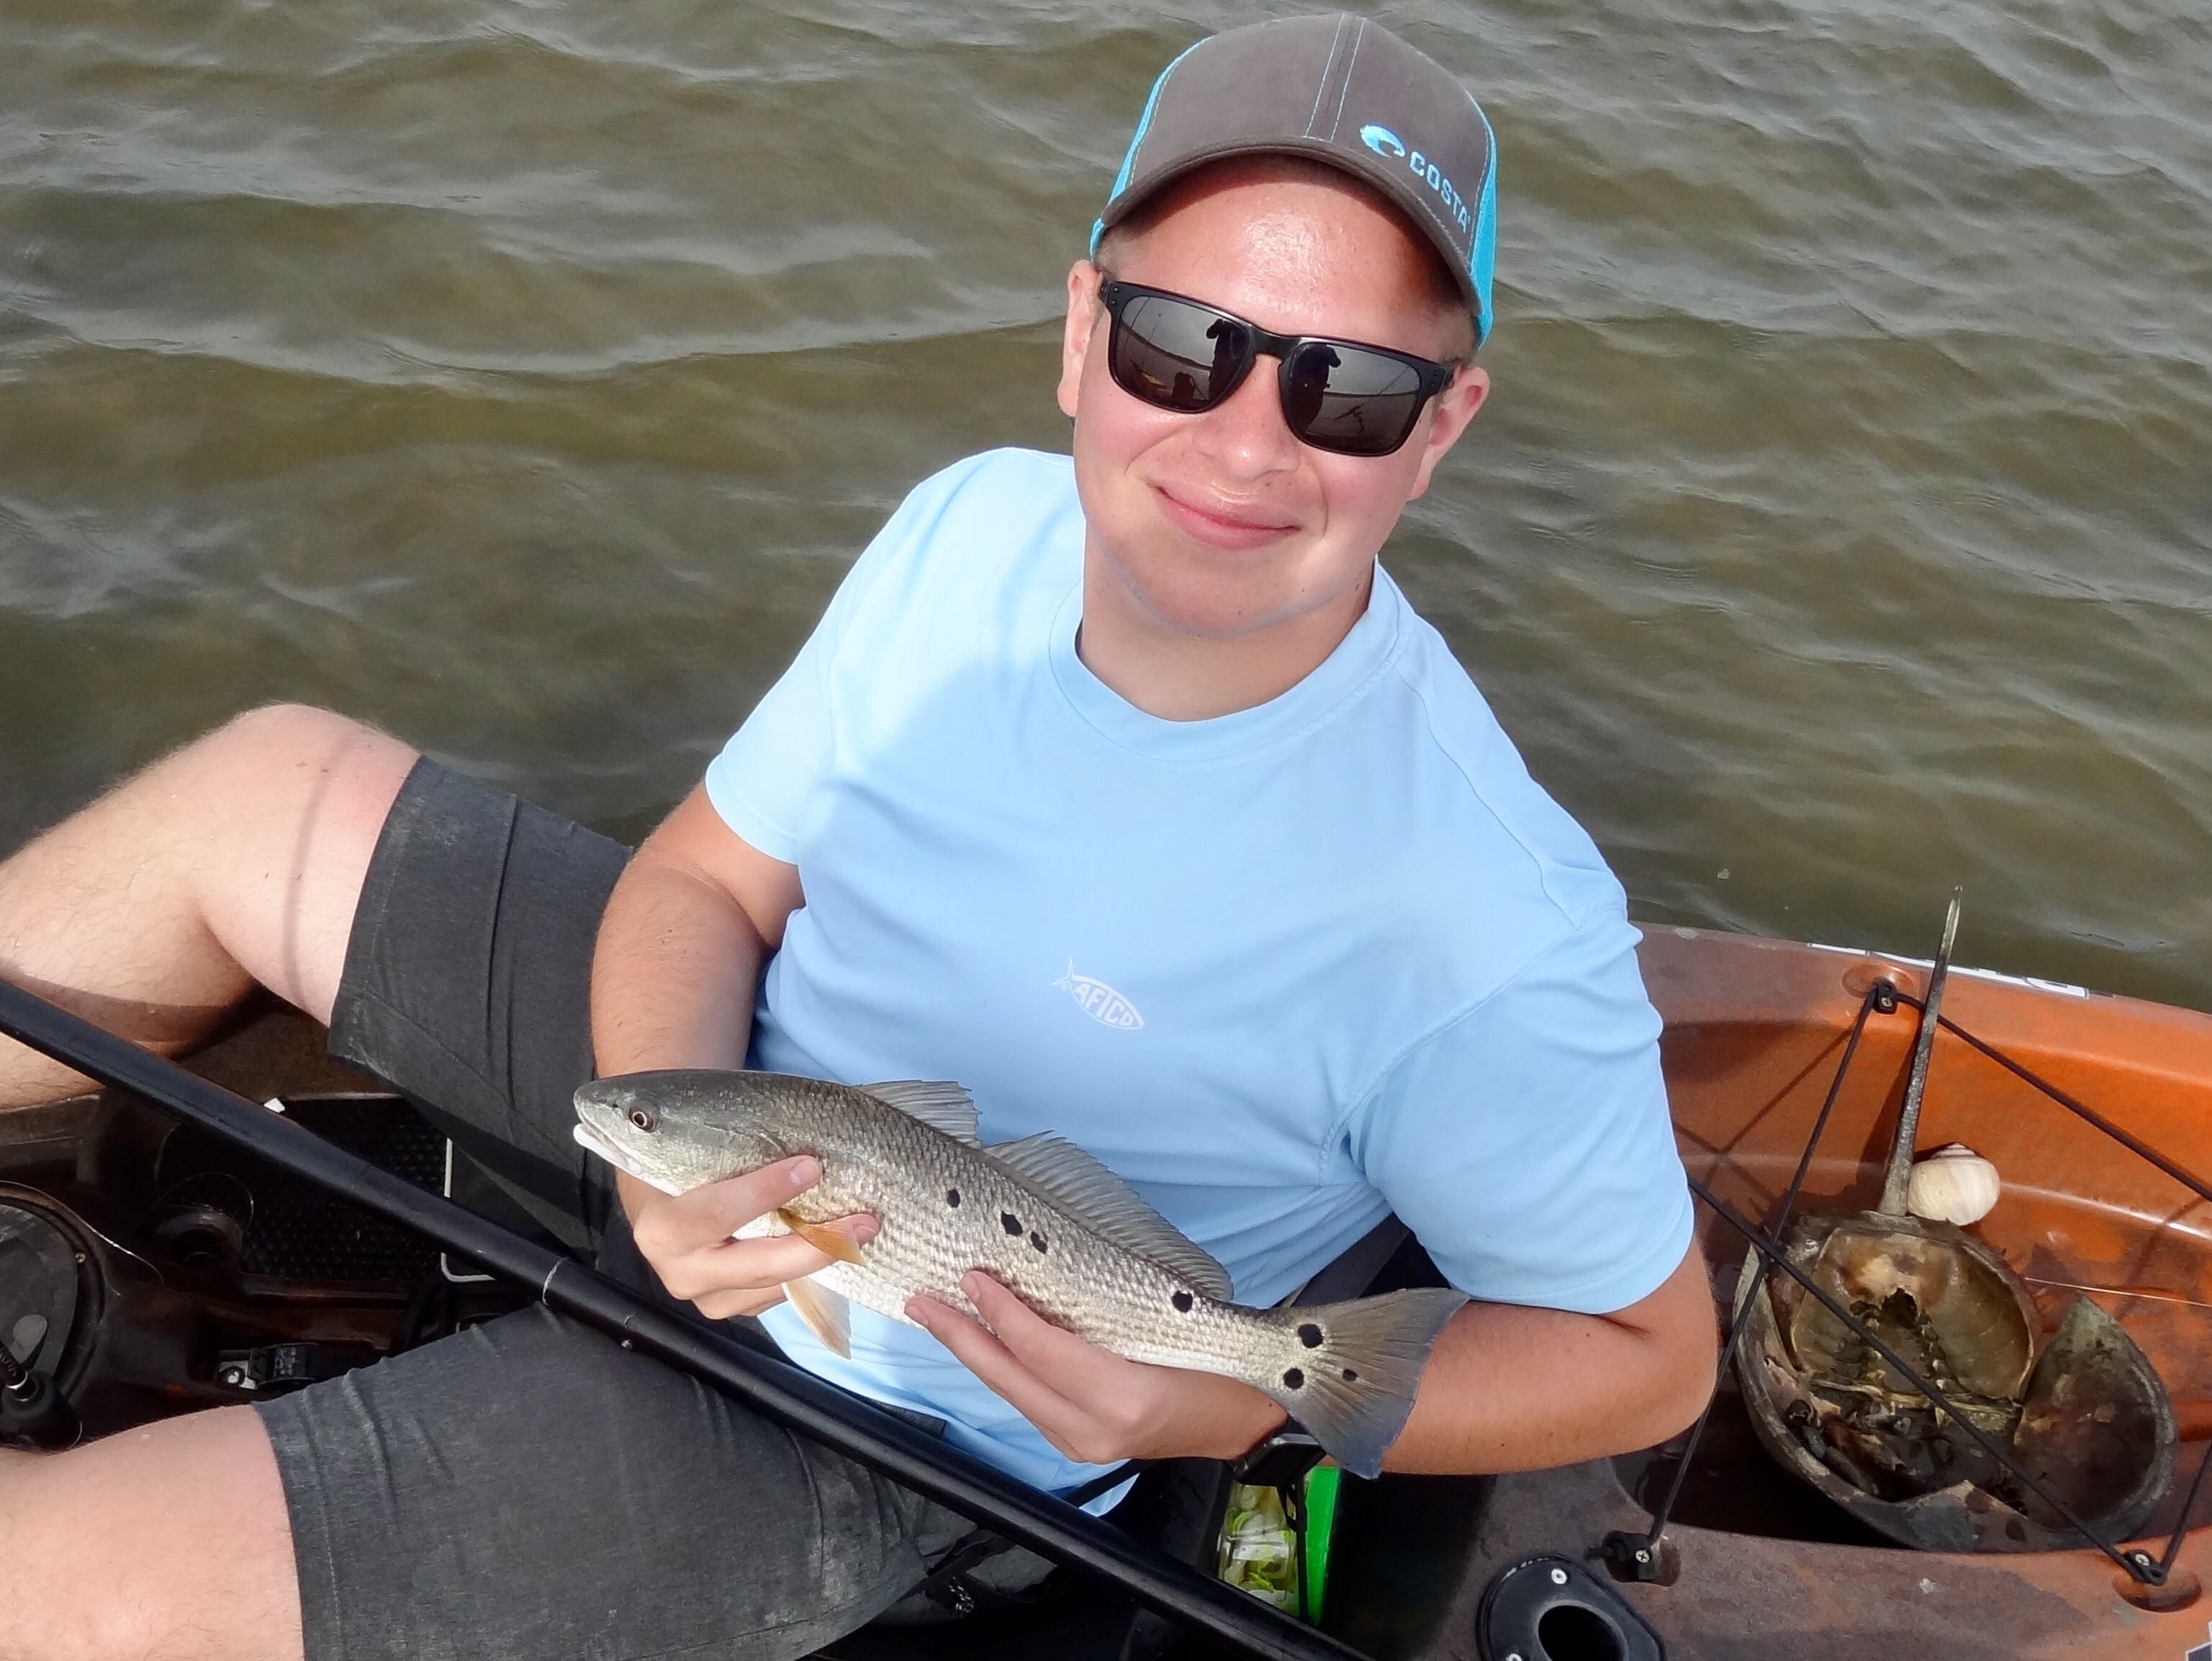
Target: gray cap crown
1343,91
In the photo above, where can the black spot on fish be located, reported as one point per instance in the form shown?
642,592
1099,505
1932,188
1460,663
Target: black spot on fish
1350,1377
1037,1241
1181,1301
952,1198
1011,1223
1310,1336
1294,1380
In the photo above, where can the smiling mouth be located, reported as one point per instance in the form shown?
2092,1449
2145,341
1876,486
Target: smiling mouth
1219,529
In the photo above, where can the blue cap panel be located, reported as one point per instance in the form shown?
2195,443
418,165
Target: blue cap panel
1136,139
1484,256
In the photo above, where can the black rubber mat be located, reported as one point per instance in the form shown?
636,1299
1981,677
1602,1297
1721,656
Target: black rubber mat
293,1230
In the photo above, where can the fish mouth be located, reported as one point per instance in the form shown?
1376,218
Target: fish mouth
592,1141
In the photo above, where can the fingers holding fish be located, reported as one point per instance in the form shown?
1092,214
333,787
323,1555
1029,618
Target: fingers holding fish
687,1238
711,1213
1049,1352
1092,1405
760,1264
742,1277
729,1305
987,1355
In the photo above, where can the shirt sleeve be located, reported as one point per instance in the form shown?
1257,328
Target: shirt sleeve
762,781
1527,1145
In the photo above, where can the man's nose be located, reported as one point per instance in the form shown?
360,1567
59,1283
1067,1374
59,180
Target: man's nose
1244,434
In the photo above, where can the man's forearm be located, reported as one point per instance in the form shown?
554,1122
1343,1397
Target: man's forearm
672,981
1508,1388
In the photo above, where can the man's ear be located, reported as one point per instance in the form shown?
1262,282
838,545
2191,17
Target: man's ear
1449,414
1083,281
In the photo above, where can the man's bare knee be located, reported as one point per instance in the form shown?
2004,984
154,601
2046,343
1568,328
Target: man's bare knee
238,858
301,795
172,1540
264,743
304,727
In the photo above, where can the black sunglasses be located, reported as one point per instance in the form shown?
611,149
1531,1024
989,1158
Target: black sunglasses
1181,353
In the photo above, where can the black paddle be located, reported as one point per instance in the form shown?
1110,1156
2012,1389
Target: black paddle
1049,1526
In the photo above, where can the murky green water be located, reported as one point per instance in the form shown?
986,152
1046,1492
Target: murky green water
521,377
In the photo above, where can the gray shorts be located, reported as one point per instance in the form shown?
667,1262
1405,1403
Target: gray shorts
526,1488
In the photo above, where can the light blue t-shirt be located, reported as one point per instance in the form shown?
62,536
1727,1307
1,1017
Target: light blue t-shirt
1286,971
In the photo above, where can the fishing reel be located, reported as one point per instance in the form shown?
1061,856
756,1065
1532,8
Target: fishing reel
49,1293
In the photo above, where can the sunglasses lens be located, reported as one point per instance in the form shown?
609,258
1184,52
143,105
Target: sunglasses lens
1344,398
1176,355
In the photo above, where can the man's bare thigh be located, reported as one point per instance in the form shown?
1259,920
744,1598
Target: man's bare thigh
171,1540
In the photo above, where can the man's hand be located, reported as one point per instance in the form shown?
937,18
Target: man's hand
686,1236
1093,1405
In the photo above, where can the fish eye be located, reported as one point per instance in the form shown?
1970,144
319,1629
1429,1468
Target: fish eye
642,1118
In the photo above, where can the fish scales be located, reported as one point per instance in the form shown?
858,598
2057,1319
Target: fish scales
879,1160
1065,1234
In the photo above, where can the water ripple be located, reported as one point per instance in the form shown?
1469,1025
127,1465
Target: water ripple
522,373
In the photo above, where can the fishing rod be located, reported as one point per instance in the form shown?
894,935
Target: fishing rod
813,1407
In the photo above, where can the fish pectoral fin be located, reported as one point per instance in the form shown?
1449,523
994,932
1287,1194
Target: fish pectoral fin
830,1242
827,1314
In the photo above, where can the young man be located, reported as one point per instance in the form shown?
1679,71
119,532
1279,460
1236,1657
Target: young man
1130,793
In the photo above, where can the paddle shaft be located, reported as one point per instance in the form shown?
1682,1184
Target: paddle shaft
809,1405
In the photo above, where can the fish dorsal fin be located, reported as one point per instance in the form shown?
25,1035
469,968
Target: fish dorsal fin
938,1102
1094,1196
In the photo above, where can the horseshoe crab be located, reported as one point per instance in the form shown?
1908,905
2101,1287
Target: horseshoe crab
2083,1413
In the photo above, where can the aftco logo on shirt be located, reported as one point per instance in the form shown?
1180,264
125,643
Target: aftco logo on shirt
1099,1000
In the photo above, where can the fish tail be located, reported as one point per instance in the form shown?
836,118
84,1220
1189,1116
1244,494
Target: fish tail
1350,1371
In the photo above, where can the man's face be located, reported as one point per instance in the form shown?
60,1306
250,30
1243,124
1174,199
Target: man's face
1222,524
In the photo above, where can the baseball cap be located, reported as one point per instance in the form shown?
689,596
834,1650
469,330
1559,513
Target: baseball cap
1341,90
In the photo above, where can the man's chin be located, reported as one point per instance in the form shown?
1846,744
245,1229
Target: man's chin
1180,587
1208,614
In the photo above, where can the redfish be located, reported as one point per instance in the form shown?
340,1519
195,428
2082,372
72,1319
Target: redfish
1066,1234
